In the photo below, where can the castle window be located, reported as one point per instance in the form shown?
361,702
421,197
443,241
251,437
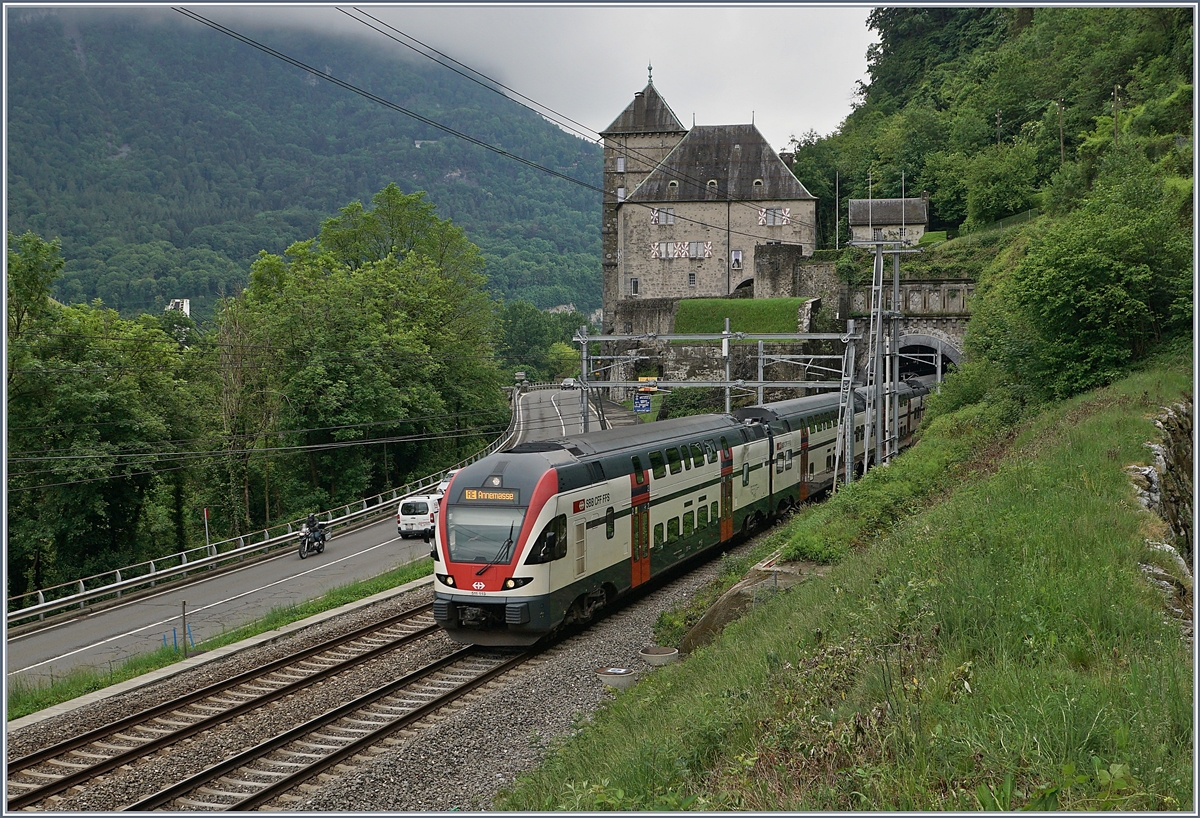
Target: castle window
620,164
775,216
712,184
758,182
735,259
664,215
699,249
633,286
620,194
672,183
691,279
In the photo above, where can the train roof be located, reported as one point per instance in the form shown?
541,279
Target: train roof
629,437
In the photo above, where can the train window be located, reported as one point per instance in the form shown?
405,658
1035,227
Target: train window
725,448
812,468
610,523
673,461
713,510
702,517
687,459
828,461
688,524
711,448
658,536
657,466
779,465
551,544
697,455
673,529
639,476
746,473
789,460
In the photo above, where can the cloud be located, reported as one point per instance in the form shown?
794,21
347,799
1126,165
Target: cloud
790,69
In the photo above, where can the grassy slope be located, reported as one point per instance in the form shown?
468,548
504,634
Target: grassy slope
744,314
998,648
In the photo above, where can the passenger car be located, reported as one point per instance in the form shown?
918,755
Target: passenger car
570,383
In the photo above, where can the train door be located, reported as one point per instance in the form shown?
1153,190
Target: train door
726,491
639,539
579,547
803,463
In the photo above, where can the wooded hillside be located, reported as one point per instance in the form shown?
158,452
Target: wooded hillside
165,156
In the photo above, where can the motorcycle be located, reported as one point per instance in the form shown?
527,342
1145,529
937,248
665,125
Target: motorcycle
311,541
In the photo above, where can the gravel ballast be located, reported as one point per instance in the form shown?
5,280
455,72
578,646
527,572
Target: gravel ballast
457,760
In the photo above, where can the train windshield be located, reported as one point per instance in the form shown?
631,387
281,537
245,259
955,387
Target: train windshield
478,534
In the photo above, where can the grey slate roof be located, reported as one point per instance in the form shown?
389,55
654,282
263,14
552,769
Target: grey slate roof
648,113
734,156
888,211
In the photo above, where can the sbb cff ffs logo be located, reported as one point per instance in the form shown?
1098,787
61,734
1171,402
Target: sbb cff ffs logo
577,507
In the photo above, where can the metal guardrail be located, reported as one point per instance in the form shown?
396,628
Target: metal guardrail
78,593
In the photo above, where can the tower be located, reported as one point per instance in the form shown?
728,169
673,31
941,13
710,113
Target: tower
634,144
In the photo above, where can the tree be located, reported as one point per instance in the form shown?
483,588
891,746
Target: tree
1096,290
999,183
33,266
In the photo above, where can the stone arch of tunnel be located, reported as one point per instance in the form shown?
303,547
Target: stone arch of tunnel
922,355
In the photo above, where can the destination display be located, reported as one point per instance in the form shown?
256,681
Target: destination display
512,496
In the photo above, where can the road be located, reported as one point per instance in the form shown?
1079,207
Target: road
231,599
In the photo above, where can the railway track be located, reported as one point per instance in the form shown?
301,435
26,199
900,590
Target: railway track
262,774
45,773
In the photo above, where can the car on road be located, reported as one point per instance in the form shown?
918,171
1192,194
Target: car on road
415,516
570,383
440,491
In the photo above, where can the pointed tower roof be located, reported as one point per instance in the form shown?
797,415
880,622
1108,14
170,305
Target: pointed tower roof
733,156
648,113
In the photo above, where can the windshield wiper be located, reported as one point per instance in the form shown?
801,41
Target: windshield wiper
502,554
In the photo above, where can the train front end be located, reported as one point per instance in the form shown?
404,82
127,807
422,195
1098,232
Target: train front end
494,546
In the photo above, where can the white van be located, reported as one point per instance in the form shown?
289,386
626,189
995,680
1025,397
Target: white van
415,516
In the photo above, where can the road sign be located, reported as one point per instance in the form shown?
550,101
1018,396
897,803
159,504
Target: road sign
648,385
641,403
520,376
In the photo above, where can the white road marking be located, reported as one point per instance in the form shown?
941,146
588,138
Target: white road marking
561,421
174,618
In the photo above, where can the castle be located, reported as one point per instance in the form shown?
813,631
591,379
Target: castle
686,212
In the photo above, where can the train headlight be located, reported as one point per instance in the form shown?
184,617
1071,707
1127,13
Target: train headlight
516,582
446,579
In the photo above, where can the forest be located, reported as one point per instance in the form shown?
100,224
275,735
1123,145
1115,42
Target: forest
164,156
1082,119
356,360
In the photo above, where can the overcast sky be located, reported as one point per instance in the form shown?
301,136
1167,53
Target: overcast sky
787,68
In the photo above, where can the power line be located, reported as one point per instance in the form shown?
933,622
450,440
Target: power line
427,121
561,119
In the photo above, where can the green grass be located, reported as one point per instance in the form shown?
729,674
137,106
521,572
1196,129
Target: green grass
25,697
704,315
993,646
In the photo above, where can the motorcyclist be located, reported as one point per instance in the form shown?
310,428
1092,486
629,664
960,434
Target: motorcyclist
315,529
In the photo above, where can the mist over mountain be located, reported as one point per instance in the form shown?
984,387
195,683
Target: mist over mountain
165,155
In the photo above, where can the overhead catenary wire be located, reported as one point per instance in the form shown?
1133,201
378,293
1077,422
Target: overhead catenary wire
539,108
433,123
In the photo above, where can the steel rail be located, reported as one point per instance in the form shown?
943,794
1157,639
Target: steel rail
222,768
152,745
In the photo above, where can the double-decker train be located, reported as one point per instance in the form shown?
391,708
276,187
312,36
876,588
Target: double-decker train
547,533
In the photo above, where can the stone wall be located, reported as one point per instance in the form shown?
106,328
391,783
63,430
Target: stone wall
638,316
1173,463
